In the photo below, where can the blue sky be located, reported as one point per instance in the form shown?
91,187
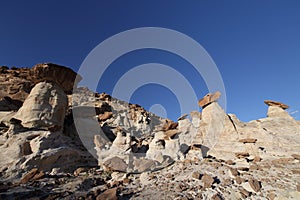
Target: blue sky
255,44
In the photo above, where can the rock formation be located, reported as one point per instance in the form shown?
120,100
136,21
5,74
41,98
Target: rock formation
56,142
209,98
45,107
31,131
17,83
66,78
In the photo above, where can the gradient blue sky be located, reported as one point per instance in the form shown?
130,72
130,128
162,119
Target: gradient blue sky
255,44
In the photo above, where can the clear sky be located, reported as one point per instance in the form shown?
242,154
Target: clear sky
255,44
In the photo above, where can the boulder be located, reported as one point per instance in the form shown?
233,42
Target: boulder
65,77
33,174
216,127
45,107
275,103
115,164
207,180
109,194
209,98
142,165
40,149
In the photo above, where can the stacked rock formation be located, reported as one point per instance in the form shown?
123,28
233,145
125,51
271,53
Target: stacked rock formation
17,83
32,121
56,142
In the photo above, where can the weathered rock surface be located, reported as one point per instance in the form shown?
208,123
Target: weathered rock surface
265,138
17,83
65,77
115,164
41,149
31,132
45,107
86,145
209,98
277,104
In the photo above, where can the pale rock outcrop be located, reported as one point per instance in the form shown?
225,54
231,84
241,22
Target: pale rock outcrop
31,132
126,130
195,118
275,111
43,149
216,125
88,128
265,138
120,147
160,149
45,107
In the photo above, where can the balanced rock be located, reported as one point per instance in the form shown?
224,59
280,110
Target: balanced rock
277,109
275,103
45,107
209,98
65,77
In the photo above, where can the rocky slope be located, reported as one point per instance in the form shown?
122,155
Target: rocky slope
58,141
